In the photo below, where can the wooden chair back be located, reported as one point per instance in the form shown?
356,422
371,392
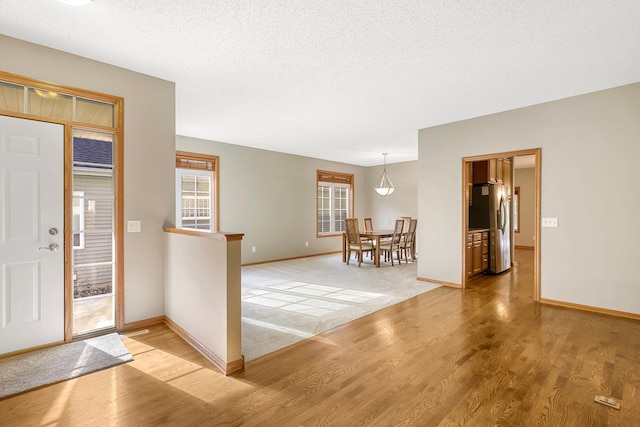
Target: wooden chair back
407,223
397,231
368,225
411,234
353,231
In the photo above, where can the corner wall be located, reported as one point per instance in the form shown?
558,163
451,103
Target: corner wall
590,182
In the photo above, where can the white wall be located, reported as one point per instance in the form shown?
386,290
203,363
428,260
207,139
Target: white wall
525,179
590,182
149,152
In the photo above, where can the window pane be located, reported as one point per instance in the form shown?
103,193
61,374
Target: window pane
97,113
333,207
11,97
195,199
93,150
188,184
50,104
93,254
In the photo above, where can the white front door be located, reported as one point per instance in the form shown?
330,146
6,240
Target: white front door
31,233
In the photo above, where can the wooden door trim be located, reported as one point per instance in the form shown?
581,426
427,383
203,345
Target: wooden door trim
537,152
118,156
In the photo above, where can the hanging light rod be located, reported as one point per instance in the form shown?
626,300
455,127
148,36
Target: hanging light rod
384,187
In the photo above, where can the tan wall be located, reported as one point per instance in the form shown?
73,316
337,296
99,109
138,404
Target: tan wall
149,152
271,197
590,182
402,202
525,179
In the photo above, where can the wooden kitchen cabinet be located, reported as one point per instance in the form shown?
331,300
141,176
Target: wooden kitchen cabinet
492,171
469,255
484,172
485,251
506,175
499,172
477,252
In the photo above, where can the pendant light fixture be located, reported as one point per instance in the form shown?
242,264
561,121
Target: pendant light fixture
384,187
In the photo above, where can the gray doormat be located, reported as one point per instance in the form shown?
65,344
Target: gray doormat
51,365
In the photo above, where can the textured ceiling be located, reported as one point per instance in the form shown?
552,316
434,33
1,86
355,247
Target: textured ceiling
345,80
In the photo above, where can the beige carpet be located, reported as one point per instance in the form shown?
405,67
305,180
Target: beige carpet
288,301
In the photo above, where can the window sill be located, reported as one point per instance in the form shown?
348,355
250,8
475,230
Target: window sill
339,233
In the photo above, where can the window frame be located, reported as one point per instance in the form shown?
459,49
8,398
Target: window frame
333,180
199,164
79,212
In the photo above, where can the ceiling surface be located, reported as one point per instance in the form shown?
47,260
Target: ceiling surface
345,80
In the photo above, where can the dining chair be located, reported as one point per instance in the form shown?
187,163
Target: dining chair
368,227
405,226
388,247
354,243
407,245
407,222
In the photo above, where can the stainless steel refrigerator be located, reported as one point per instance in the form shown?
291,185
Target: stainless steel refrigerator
490,210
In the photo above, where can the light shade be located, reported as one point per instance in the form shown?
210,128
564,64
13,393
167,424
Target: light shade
75,2
384,187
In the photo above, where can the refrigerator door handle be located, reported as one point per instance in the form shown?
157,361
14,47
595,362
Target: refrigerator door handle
502,215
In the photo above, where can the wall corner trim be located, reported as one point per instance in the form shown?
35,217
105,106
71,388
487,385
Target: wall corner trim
226,368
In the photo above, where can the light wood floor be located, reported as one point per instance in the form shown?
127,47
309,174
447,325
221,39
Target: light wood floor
484,356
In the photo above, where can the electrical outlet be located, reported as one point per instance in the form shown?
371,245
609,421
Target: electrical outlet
549,222
134,226
306,243
253,248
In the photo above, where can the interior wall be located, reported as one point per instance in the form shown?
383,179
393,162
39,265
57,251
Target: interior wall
271,198
149,153
525,179
590,182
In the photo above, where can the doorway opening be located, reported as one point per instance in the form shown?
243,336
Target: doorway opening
533,156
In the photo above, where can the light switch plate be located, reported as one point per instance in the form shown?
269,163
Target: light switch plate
549,222
134,226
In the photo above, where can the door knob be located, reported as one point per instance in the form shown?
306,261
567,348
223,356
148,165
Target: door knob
52,247
53,231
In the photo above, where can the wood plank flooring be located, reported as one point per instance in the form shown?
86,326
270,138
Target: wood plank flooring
484,356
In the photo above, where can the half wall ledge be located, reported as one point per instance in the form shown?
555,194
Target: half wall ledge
221,235
202,293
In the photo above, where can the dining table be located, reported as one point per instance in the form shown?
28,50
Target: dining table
375,235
